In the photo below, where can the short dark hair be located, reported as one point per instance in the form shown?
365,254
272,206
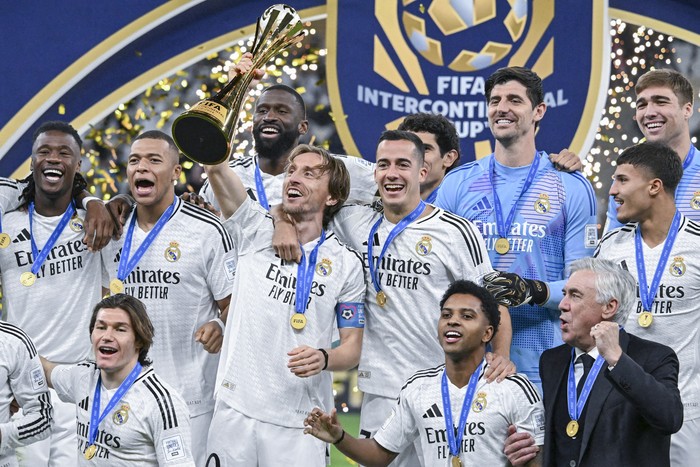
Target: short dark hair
79,183
438,125
524,76
666,78
140,322
290,90
157,134
489,306
399,135
338,181
658,160
57,125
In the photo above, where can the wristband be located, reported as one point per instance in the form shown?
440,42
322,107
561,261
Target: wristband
87,199
218,320
342,435
325,357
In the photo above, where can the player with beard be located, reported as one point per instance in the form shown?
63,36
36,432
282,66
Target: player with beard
279,121
410,250
277,358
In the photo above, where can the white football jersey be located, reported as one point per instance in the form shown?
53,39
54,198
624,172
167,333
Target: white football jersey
676,318
185,270
419,265
362,185
149,426
22,378
56,310
420,413
253,377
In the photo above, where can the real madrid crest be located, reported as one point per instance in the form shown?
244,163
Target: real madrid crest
424,246
122,415
479,403
324,267
542,204
172,253
76,224
677,267
695,201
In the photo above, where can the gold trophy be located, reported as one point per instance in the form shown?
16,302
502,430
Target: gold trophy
205,131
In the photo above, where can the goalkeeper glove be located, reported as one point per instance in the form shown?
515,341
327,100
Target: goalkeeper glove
510,289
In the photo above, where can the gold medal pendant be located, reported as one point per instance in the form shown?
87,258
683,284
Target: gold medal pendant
572,428
90,451
502,246
645,319
4,240
456,462
27,279
298,321
381,298
116,286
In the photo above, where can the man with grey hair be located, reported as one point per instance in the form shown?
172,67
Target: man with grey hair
610,398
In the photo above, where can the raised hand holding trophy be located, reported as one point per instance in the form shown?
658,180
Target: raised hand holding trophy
205,131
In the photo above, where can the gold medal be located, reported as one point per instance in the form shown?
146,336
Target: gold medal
27,279
456,462
90,451
645,319
381,298
4,240
116,286
298,321
502,246
572,428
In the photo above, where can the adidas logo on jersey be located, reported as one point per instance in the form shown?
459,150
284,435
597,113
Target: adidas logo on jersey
482,205
433,412
23,236
85,404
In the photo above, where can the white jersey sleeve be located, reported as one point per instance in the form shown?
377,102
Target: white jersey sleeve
24,380
363,188
10,190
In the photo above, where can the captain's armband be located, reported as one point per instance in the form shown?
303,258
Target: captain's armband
350,315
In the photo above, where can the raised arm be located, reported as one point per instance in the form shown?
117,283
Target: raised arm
228,188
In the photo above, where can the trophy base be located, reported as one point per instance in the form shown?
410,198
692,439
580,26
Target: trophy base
200,138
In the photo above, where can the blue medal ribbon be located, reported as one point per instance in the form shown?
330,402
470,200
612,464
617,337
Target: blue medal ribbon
260,188
126,264
504,227
95,416
647,294
40,257
400,227
576,406
455,441
305,276
433,196
689,157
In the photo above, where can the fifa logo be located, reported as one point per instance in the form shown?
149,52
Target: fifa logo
434,56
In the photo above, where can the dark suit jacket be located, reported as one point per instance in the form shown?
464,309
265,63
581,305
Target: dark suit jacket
631,411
